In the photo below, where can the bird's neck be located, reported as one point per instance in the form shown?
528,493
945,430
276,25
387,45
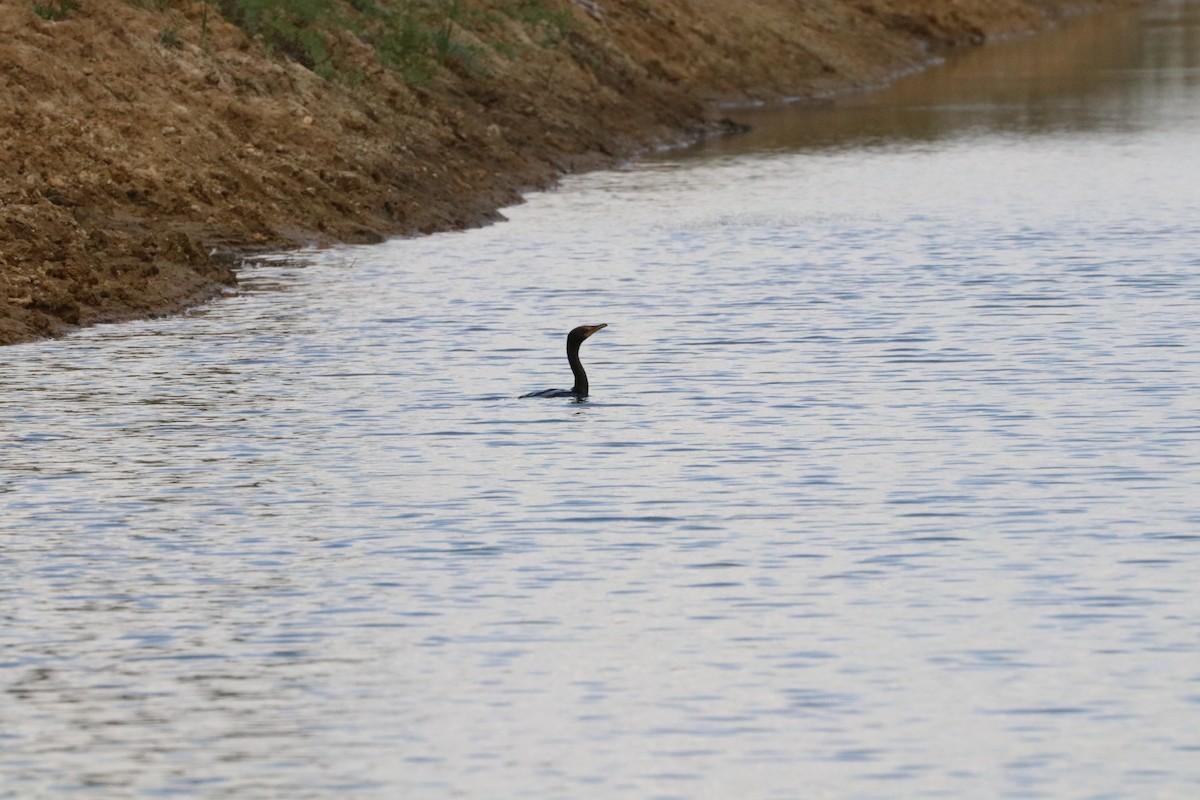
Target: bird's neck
581,383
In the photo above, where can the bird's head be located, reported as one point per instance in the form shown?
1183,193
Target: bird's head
583,332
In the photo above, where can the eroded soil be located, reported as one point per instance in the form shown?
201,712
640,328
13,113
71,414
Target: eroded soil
136,167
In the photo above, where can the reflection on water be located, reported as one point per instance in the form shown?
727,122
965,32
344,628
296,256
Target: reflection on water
1117,71
886,486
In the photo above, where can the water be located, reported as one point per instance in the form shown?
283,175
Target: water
886,487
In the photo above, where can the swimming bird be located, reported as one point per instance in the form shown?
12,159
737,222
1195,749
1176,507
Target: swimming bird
574,340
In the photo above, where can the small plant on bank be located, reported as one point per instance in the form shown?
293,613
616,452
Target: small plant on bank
169,37
293,28
417,37
552,26
56,10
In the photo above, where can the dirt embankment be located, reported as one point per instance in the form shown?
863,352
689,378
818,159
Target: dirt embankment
139,144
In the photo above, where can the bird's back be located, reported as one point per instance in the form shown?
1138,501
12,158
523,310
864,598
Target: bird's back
551,393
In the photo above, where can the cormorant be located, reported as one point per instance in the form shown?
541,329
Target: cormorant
574,340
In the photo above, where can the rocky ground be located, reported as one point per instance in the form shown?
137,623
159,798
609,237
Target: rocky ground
146,146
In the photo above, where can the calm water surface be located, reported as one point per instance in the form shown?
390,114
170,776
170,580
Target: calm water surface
887,487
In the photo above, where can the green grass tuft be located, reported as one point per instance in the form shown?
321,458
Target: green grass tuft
169,37
292,28
417,38
552,26
56,10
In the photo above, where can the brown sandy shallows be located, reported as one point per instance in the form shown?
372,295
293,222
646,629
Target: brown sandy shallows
134,163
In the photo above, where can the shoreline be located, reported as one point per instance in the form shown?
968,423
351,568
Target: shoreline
140,167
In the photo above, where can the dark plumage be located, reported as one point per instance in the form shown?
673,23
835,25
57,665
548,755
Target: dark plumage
574,340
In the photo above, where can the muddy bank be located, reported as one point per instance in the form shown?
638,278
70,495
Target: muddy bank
143,148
